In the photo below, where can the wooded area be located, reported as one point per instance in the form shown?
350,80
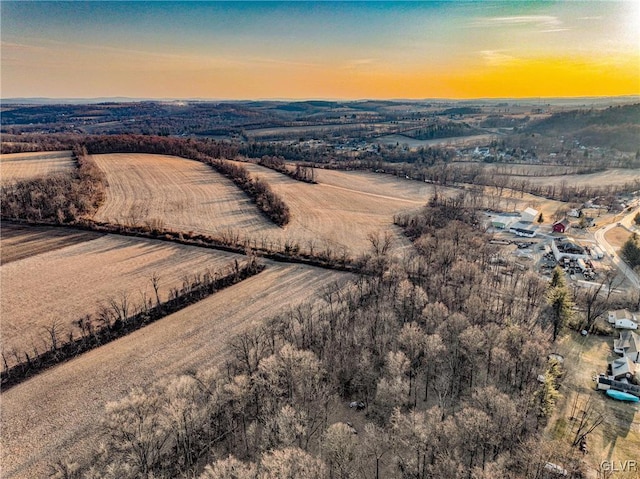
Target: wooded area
440,350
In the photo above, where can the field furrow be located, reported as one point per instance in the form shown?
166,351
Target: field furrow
60,286
60,409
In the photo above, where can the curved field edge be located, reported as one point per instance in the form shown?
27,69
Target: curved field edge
208,152
176,193
60,409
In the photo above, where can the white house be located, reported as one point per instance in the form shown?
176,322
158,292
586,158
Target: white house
628,345
526,232
625,324
529,215
619,314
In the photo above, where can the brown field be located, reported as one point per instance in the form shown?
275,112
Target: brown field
19,242
379,185
345,207
339,213
618,438
59,410
518,169
190,196
65,284
617,236
613,177
175,193
26,166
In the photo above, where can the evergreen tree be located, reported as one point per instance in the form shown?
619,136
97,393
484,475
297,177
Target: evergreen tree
560,302
631,251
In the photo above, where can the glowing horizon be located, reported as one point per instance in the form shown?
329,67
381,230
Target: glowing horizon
303,50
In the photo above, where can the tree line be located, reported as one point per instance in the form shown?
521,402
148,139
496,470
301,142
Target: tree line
118,318
440,349
52,197
209,152
58,198
277,163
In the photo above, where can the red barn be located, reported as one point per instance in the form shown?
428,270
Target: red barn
561,226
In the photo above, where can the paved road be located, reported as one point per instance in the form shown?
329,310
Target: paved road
626,221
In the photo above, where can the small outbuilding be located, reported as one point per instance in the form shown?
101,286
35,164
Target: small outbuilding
618,314
529,215
561,226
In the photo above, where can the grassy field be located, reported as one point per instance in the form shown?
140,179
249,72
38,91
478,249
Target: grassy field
189,196
617,236
62,285
59,411
26,166
618,438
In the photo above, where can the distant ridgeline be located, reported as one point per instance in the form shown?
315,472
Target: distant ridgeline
615,127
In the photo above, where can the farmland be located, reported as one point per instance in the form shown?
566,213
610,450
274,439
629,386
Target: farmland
344,211
27,166
76,280
188,196
613,177
448,317
60,410
19,242
175,193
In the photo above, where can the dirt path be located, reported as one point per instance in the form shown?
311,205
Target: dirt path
59,410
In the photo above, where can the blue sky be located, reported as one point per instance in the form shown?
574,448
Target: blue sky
320,49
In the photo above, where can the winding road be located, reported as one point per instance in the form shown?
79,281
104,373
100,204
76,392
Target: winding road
626,221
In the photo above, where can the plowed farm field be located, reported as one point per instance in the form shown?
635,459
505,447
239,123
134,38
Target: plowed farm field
60,286
175,193
613,177
344,208
58,412
21,241
190,196
27,166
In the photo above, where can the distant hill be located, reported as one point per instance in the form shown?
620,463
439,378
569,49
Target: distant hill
614,127
578,119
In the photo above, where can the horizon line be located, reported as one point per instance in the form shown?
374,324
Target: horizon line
304,99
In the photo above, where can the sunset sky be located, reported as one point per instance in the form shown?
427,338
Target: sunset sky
337,50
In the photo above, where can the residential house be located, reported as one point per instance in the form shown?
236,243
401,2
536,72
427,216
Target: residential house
628,345
619,314
623,368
